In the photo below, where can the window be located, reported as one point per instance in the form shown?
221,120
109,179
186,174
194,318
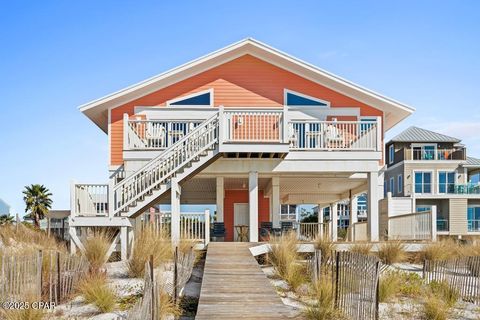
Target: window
446,182
423,208
473,218
423,182
424,152
293,98
391,154
288,212
400,183
362,205
392,185
203,98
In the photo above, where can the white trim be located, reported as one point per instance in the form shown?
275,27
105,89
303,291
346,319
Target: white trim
391,185
302,95
396,111
390,158
192,95
432,182
400,183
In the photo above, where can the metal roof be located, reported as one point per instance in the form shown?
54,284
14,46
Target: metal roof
472,162
416,134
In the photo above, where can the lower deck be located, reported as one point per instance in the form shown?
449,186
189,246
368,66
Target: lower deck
234,286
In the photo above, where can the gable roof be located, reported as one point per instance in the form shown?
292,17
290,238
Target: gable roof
394,111
416,134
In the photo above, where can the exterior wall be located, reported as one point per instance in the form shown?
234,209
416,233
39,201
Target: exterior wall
241,196
435,167
242,82
458,216
394,173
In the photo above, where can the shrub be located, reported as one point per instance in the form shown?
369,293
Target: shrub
362,248
388,286
149,241
392,252
411,284
326,247
284,258
96,249
323,306
443,291
435,309
95,290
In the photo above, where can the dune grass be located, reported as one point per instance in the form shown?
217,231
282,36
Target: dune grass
167,309
322,308
284,257
391,252
362,248
326,247
149,241
94,289
388,287
96,249
23,239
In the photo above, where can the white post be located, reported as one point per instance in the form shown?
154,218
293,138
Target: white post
123,243
334,219
221,125
276,202
220,198
175,210
373,223
434,223
253,205
207,226
73,207
320,221
111,201
73,246
285,124
125,131
379,135
353,209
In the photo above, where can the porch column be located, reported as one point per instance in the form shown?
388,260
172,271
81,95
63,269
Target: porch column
276,202
320,220
373,194
123,243
334,220
353,209
220,198
175,210
253,205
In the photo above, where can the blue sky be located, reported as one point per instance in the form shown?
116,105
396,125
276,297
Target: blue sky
57,55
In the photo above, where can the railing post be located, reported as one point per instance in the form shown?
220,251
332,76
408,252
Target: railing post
379,134
125,131
110,197
73,207
207,227
221,125
285,124
434,223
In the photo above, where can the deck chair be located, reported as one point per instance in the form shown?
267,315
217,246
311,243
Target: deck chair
286,226
218,231
265,231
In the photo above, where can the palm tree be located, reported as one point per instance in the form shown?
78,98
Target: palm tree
38,202
6,219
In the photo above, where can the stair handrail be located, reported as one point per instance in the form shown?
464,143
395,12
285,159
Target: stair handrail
162,156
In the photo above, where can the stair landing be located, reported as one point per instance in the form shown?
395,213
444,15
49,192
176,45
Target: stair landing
234,286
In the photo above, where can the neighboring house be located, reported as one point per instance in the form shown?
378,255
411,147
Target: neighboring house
432,169
4,208
247,128
58,223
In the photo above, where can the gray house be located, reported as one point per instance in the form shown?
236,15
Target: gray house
431,169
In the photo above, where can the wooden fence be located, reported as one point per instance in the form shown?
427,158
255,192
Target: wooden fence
47,276
463,274
355,282
147,307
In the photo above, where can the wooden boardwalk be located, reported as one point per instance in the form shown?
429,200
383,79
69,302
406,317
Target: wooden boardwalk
234,286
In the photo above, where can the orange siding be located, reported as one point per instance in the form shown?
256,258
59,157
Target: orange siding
241,196
245,81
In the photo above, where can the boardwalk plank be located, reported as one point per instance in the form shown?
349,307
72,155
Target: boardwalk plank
234,286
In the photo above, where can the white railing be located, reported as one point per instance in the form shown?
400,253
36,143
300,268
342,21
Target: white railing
91,199
155,134
309,231
193,225
160,169
412,226
334,135
253,125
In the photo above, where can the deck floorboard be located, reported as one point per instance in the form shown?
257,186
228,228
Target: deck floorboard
234,286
